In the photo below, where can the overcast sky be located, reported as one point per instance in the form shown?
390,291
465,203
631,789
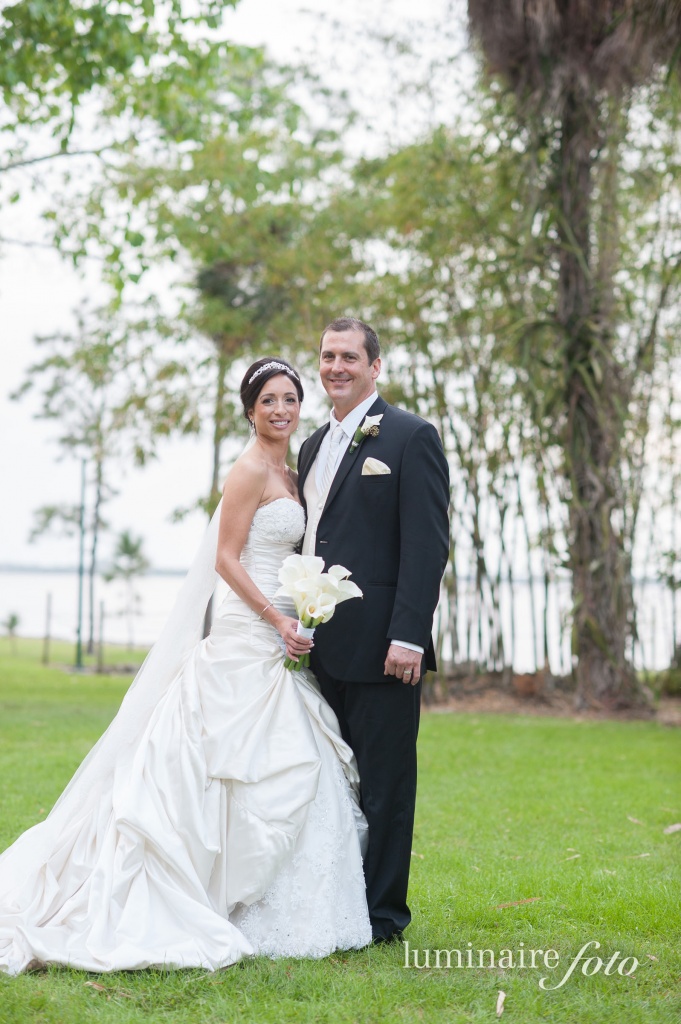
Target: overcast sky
39,291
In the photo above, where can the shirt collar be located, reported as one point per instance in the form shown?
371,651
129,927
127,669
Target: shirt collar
351,422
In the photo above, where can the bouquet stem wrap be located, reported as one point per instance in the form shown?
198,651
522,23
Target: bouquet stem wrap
304,659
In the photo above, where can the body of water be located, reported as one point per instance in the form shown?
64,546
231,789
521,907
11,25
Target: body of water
26,595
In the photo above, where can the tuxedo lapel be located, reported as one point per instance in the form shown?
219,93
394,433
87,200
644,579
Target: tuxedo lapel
341,473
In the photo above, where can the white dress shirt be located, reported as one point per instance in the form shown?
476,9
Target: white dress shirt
350,425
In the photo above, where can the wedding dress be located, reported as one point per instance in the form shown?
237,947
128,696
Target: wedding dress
232,827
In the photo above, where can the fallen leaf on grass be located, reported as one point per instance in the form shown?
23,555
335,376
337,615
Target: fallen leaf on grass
637,856
573,857
650,956
475,868
500,1003
415,854
672,828
635,820
93,984
606,871
517,903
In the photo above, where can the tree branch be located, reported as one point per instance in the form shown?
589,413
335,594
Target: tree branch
13,165
26,244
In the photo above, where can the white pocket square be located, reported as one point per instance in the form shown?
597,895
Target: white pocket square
374,467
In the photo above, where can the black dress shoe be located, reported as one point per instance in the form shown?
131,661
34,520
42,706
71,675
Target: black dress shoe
35,967
382,940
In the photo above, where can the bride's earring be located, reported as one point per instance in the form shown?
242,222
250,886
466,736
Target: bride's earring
252,427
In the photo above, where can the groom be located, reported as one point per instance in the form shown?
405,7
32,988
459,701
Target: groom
380,508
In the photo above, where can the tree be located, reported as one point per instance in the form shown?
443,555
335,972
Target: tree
77,378
85,84
244,211
129,562
10,625
460,272
101,386
56,53
262,292
572,68
441,232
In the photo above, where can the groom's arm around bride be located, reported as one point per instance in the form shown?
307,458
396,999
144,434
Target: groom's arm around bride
377,503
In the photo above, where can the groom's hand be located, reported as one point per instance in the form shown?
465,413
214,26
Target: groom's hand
404,664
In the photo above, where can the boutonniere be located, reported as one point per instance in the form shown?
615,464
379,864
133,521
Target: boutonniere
370,428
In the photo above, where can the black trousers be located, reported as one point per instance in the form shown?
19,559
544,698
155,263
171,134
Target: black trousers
380,721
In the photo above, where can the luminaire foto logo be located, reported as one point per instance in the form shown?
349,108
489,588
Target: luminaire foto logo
519,959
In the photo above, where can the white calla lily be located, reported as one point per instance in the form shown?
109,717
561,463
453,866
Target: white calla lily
339,572
297,567
346,590
315,593
369,422
320,610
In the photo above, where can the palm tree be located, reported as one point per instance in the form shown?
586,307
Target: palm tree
572,65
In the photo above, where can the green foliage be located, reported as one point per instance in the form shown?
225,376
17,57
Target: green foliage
107,388
129,559
246,210
466,241
11,624
455,245
484,837
129,562
574,82
53,53
103,79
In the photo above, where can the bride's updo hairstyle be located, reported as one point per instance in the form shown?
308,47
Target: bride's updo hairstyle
257,376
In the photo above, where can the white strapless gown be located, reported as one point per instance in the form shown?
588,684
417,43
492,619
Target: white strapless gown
237,832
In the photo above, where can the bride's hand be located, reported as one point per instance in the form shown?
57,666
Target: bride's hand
295,645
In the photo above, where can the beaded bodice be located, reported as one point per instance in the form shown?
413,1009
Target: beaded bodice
276,530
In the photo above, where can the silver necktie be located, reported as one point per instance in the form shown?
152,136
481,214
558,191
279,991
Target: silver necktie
337,435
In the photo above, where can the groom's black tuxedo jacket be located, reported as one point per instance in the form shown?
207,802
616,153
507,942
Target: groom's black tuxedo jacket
392,532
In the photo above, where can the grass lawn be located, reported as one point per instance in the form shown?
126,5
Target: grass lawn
510,809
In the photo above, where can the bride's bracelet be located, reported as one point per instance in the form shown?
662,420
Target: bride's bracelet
270,605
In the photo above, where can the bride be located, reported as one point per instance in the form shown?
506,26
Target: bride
218,816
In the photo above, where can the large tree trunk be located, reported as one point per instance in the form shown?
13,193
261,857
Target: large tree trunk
602,593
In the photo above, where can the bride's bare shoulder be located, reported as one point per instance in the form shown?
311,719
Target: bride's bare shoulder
247,474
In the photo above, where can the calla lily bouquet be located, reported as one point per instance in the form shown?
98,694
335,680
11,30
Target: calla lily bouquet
315,593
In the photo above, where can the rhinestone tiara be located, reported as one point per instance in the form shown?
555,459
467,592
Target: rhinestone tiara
273,366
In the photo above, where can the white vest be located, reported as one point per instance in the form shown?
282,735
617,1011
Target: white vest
315,506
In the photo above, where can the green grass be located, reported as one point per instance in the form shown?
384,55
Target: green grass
62,654
504,803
